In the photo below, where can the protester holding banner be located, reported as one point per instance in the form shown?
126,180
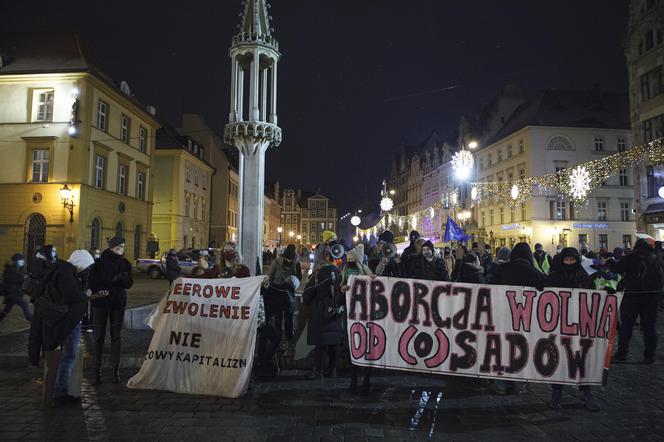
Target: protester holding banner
109,280
428,266
502,256
326,304
520,270
571,275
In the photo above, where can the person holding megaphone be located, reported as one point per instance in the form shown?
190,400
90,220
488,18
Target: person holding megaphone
383,258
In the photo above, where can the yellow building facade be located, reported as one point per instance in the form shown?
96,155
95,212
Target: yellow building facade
63,122
182,181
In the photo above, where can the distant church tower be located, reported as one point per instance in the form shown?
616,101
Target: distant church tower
252,121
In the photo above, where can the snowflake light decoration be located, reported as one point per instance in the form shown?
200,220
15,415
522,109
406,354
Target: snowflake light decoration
462,163
386,204
355,221
514,193
579,183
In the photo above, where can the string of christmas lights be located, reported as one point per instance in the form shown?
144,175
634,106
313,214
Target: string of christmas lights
576,184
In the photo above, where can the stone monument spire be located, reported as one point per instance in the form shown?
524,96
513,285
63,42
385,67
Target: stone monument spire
252,121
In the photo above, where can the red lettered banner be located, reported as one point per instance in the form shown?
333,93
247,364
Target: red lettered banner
499,332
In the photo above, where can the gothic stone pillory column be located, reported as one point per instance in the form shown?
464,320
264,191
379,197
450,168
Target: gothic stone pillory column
252,121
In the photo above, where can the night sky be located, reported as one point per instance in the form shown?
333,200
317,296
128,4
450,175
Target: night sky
357,76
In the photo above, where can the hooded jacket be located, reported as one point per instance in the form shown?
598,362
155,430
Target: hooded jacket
520,270
635,265
569,276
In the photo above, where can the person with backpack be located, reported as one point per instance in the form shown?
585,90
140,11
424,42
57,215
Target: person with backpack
13,278
643,280
109,280
326,303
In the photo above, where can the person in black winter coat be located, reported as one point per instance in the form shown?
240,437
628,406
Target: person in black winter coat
409,256
325,300
569,274
427,266
173,269
520,270
109,280
13,278
471,271
502,257
642,272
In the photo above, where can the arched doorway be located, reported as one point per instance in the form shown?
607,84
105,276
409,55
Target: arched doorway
35,235
137,242
119,229
95,237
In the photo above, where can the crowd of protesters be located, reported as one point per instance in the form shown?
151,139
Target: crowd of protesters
91,288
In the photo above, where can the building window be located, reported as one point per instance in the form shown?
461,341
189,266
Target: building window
195,207
604,241
203,209
521,146
95,234
186,204
40,165
489,160
142,138
502,215
523,211
651,84
122,180
124,128
500,155
187,174
491,217
653,128
599,144
601,211
571,210
622,176
627,241
119,230
655,180
583,239
102,114
100,163
511,214
560,210
509,151
205,179
45,106
622,144
196,177
649,40
624,211
140,185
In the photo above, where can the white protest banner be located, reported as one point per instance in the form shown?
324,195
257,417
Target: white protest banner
559,336
204,338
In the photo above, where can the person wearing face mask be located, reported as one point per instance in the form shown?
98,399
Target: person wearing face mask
232,266
428,266
381,264
280,297
354,265
67,286
471,270
13,278
570,274
449,260
43,261
173,269
109,280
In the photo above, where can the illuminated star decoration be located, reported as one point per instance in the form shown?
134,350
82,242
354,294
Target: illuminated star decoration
386,204
579,183
462,163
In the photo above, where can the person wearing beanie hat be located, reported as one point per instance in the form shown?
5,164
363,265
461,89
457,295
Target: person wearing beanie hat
66,285
542,260
426,265
502,257
386,237
354,265
109,280
409,256
380,261
172,266
13,278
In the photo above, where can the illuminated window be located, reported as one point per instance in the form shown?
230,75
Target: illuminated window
40,165
45,105
124,128
142,138
102,114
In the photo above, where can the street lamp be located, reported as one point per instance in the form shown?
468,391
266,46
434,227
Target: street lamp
473,144
299,238
67,201
291,234
279,230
